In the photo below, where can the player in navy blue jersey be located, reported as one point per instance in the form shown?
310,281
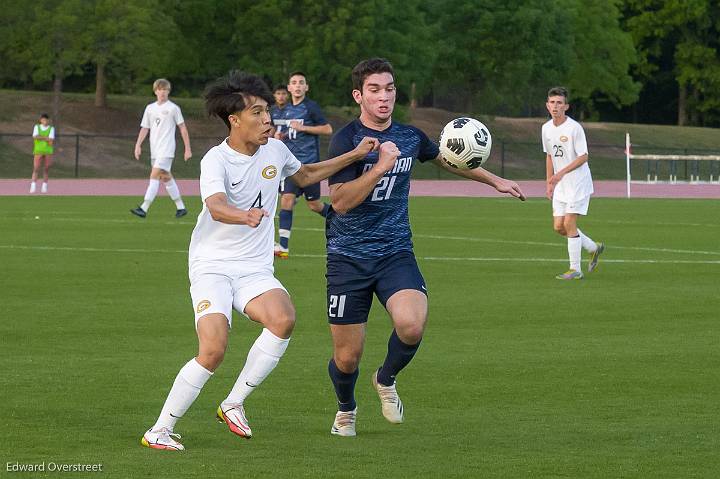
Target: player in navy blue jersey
281,95
369,246
304,121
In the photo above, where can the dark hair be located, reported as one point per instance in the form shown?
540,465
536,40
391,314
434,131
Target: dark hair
229,94
297,72
368,67
44,115
558,91
280,87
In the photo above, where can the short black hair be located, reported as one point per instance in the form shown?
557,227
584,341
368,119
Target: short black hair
559,91
297,72
368,67
280,86
229,94
44,115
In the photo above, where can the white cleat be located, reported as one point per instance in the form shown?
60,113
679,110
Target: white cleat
234,416
43,188
344,424
392,407
163,438
33,187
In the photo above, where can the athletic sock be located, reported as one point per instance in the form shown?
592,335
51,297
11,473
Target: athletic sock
172,188
150,194
587,243
324,211
261,360
398,356
575,251
284,227
344,386
186,388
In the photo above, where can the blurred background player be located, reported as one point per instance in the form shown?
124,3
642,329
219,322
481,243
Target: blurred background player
569,182
276,111
231,256
43,139
369,250
160,119
305,121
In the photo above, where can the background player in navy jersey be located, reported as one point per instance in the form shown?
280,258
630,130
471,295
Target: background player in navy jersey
305,121
281,95
369,246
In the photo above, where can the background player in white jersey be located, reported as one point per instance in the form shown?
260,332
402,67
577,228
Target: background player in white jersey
160,119
369,244
569,183
231,251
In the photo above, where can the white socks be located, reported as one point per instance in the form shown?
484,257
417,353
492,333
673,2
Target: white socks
261,360
575,251
174,193
186,388
150,194
588,244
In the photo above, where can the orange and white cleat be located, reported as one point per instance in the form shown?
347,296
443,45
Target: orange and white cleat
234,416
163,438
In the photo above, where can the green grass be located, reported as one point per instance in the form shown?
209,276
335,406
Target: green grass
519,375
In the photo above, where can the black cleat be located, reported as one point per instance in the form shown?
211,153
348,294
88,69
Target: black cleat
138,212
180,213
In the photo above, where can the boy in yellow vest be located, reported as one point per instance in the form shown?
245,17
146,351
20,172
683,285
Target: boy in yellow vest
43,139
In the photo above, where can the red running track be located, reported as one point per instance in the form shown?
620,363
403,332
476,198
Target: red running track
533,189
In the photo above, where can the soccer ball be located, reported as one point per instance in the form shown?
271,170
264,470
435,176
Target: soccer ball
465,143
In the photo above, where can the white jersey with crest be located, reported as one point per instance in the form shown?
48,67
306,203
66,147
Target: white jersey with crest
248,181
162,120
564,144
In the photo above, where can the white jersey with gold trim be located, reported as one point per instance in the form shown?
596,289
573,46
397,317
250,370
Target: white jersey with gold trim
564,144
248,181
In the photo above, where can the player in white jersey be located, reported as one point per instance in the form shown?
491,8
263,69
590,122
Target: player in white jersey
231,251
569,182
160,119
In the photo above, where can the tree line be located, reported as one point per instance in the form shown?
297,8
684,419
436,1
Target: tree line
623,60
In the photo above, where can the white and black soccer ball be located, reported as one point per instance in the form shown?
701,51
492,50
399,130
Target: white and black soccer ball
465,143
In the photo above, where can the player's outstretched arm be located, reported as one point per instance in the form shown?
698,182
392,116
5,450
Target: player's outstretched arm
346,196
221,211
483,176
315,172
138,144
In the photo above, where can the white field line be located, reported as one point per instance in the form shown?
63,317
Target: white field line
317,256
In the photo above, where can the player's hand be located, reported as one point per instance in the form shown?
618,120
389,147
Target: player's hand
188,154
254,216
138,152
297,125
387,157
549,189
366,145
511,188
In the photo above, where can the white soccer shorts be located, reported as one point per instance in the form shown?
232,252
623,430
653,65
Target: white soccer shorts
162,163
561,208
213,292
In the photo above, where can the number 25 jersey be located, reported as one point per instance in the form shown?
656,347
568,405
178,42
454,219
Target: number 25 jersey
564,144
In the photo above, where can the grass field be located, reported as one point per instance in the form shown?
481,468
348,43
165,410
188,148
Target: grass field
519,375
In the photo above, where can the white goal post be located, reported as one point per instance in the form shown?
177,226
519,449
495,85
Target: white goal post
673,176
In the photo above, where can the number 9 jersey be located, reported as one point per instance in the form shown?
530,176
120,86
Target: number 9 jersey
564,144
379,226
248,182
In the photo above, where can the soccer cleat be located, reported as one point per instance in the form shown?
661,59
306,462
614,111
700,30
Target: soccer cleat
32,187
280,252
163,438
43,188
234,416
180,213
392,407
570,274
138,212
594,257
344,424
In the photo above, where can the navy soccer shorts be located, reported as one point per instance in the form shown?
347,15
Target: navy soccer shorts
351,283
311,192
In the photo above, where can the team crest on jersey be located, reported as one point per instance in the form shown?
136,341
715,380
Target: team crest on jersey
563,138
203,305
269,172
